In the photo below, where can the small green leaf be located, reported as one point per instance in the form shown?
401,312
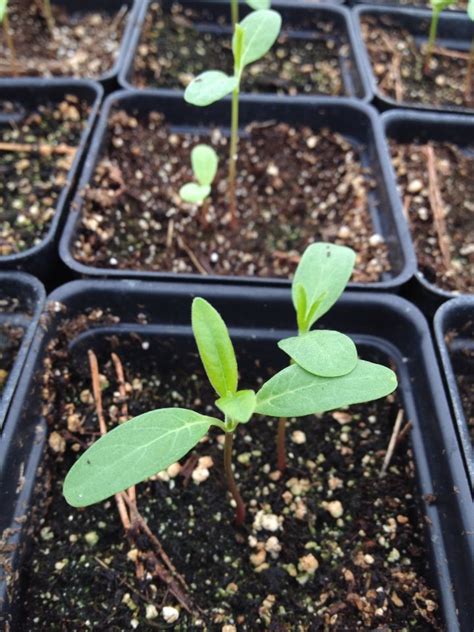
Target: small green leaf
325,353
194,193
3,9
132,452
209,87
470,9
204,161
239,406
293,392
261,30
323,271
259,4
215,347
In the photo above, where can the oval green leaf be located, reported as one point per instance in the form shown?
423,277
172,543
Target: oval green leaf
132,452
294,392
209,87
204,161
325,353
259,4
239,406
194,193
261,29
215,347
323,271
3,9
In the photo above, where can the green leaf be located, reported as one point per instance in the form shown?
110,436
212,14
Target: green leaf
259,4
294,392
301,305
204,161
132,452
215,347
239,406
323,271
210,87
3,9
325,353
261,29
194,193
470,9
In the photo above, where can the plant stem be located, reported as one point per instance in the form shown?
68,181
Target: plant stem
234,8
233,151
431,39
469,76
10,44
281,447
231,484
48,15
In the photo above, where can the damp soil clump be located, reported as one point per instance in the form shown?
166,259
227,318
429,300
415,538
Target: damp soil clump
328,543
10,341
36,155
295,186
398,63
81,44
437,190
177,44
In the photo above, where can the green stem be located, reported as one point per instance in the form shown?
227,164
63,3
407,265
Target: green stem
233,151
431,39
231,484
48,15
234,8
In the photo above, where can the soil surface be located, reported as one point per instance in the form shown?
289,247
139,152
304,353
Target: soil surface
10,341
327,545
294,187
81,44
398,63
437,189
36,156
172,51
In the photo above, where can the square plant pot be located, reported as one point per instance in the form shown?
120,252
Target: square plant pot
21,301
150,323
454,331
410,85
450,137
106,25
356,123
68,103
313,29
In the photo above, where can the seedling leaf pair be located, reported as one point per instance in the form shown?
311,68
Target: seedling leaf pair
204,161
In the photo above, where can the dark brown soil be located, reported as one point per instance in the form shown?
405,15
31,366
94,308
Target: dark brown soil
348,550
294,187
398,64
32,181
10,341
172,51
455,183
83,44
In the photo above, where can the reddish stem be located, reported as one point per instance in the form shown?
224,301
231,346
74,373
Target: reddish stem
231,484
281,447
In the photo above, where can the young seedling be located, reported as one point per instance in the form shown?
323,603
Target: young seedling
253,38
4,19
320,279
151,442
437,6
204,162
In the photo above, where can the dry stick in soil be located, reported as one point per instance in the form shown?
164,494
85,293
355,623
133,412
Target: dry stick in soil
437,207
392,443
125,499
43,149
395,66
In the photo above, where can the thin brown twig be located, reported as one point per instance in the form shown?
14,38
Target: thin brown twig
395,66
198,264
124,582
94,367
392,443
169,234
404,431
437,206
43,149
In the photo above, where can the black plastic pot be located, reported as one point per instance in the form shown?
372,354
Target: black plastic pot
42,260
29,296
109,78
458,316
405,126
385,325
400,3
294,13
357,122
455,30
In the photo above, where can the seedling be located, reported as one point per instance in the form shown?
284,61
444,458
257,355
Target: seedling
253,4
204,162
4,19
320,279
253,38
151,442
437,6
